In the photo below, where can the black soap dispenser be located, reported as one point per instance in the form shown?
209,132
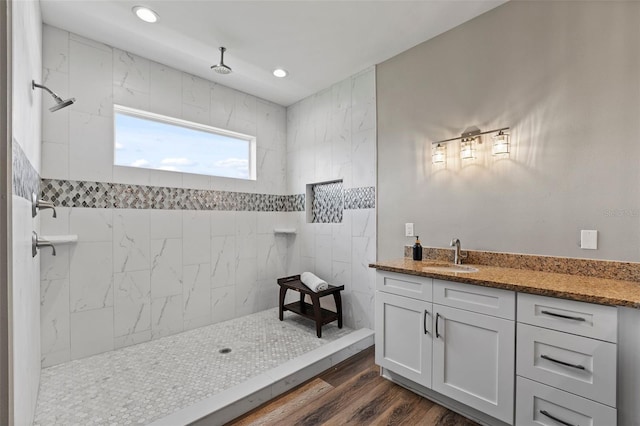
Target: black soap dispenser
417,250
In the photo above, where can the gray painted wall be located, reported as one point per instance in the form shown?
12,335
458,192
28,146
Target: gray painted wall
565,76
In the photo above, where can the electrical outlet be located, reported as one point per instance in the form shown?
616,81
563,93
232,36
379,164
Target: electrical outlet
589,239
408,229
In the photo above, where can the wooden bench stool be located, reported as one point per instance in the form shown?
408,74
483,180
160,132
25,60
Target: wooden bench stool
314,311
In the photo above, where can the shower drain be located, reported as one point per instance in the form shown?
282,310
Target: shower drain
225,350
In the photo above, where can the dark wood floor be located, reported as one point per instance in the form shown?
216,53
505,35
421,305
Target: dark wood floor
352,393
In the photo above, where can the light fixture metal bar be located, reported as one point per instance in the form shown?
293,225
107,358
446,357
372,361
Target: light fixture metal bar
470,134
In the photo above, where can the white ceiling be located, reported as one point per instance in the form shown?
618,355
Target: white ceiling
319,42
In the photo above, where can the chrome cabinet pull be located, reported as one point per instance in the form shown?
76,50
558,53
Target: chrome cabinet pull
546,413
568,364
553,314
437,318
424,322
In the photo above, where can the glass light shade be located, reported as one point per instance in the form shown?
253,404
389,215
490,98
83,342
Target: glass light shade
467,149
501,144
439,154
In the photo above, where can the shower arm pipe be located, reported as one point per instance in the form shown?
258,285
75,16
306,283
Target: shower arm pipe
471,135
40,86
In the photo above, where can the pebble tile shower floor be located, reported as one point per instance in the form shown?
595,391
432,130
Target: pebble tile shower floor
145,382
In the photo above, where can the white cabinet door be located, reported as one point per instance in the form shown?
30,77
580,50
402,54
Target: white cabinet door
403,336
473,360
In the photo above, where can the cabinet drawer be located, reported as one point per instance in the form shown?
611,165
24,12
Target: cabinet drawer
538,404
586,367
483,300
584,319
405,285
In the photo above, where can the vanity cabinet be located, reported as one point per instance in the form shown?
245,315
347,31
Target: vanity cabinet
456,339
505,357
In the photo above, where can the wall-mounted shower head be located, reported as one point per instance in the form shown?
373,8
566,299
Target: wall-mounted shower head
221,68
60,103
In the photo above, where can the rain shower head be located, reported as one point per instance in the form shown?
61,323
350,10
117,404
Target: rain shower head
60,103
221,68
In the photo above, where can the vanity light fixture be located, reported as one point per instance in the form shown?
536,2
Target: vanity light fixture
468,148
280,73
472,136
146,14
439,154
501,143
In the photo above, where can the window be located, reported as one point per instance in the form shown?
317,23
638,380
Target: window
153,141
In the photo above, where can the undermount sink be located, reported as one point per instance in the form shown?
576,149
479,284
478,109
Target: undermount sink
456,269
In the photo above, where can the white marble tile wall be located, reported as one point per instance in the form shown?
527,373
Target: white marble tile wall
136,275
332,135
79,144
26,64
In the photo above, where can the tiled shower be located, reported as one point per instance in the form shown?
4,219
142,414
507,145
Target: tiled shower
143,383
162,252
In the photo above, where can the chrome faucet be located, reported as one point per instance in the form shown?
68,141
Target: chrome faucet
37,204
457,254
37,243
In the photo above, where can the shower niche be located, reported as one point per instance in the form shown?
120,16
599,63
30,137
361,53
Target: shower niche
325,202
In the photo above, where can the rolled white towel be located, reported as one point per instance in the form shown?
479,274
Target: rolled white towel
313,282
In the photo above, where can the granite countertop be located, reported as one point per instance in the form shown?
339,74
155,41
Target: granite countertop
603,291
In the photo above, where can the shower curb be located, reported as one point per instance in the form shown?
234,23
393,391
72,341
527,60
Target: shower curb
244,397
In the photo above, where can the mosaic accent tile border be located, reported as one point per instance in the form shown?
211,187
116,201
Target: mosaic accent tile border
609,269
360,198
328,202
70,193
25,180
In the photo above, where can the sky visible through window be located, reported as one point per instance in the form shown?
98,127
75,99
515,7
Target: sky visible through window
152,144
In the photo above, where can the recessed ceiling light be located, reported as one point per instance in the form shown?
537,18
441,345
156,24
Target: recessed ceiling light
146,14
280,73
